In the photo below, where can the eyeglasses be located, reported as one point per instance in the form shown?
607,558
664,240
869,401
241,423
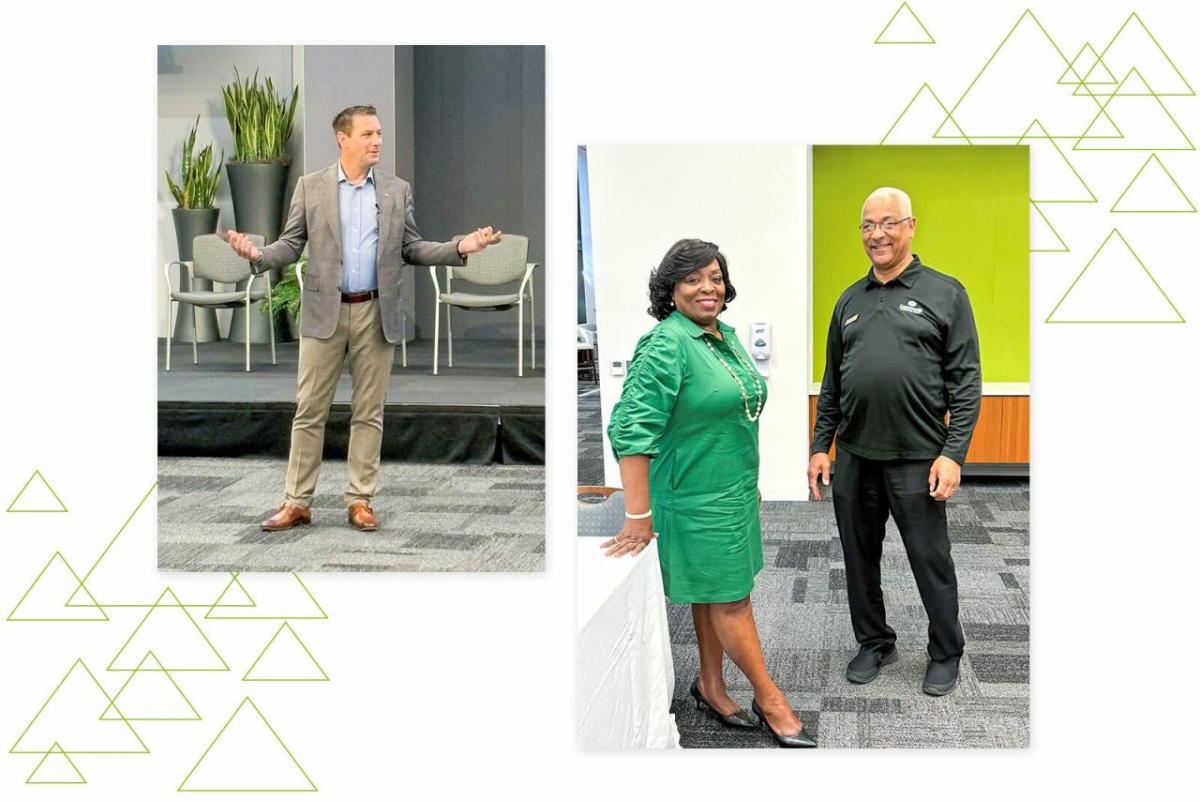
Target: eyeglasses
887,225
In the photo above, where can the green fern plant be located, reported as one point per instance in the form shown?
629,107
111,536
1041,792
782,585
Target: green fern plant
198,175
261,120
285,295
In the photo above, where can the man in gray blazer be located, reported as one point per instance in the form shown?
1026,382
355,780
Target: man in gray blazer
359,226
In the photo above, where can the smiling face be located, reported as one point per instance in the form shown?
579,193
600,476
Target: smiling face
361,147
700,295
888,250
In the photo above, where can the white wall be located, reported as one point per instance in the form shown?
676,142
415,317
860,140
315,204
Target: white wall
752,200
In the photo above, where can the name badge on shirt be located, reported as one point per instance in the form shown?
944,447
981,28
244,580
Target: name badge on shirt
852,319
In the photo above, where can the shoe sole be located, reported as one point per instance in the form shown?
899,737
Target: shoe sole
860,678
285,528
940,689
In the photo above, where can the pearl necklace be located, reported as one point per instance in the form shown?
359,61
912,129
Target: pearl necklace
742,387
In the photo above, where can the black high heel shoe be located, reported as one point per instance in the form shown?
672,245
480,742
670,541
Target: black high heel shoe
801,739
738,720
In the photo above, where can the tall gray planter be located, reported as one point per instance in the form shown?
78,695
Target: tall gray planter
189,224
257,191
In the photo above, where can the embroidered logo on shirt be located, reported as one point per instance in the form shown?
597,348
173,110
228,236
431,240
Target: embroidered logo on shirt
911,306
852,319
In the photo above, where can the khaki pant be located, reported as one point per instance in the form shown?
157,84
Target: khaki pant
359,334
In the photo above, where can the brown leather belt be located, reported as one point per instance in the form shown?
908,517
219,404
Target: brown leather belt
359,297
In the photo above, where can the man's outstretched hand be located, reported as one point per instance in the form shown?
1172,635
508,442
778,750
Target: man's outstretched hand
242,245
478,239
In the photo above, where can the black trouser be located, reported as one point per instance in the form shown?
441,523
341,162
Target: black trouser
864,492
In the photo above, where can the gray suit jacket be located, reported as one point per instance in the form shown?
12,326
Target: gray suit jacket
314,219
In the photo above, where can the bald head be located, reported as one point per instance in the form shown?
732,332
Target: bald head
888,195
887,228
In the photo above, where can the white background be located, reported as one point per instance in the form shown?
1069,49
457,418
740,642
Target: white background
449,685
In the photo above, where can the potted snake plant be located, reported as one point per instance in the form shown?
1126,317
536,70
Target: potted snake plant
260,119
195,214
261,122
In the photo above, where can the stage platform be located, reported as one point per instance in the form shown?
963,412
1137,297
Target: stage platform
476,412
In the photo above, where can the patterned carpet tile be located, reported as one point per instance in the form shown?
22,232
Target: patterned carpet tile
433,518
800,607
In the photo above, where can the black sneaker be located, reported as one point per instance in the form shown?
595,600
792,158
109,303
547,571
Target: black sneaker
940,677
865,666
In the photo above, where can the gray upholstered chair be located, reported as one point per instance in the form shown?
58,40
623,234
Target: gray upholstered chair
497,264
212,258
596,517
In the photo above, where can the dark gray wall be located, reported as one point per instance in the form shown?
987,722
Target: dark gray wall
479,136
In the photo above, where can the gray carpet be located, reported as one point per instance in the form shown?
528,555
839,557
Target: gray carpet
590,443
461,518
800,607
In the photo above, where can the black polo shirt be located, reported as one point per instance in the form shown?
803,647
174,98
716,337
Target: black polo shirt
900,355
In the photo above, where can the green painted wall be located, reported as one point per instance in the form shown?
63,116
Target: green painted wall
972,210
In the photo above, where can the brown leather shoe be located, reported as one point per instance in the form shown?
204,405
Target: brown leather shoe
362,516
288,516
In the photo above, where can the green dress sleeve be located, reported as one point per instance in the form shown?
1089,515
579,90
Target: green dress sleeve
648,395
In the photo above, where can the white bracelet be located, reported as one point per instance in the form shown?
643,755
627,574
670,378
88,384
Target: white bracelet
642,516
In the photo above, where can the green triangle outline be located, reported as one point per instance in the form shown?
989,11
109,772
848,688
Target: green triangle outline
1063,156
75,603
233,580
322,616
312,788
1084,80
79,586
1153,157
267,647
904,7
1145,269
1104,109
1053,230
139,670
103,553
79,663
941,105
1132,16
158,605
38,475
56,749
1027,12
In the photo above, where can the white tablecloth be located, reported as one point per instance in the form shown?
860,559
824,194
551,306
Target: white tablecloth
625,674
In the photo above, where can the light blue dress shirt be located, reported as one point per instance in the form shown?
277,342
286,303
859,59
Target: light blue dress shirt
359,217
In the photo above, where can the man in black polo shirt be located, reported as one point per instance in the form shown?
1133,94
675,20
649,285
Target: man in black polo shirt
902,352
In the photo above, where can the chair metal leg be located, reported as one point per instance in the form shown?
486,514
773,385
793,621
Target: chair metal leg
271,317
247,332
437,322
449,338
520,336
532,330
170,325
404,341
195,335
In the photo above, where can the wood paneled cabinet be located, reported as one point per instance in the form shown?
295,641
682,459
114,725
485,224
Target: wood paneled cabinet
1001,435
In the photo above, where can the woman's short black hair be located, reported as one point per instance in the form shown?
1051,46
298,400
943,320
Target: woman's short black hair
685,257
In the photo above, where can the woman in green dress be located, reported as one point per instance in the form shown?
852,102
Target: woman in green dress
685,433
